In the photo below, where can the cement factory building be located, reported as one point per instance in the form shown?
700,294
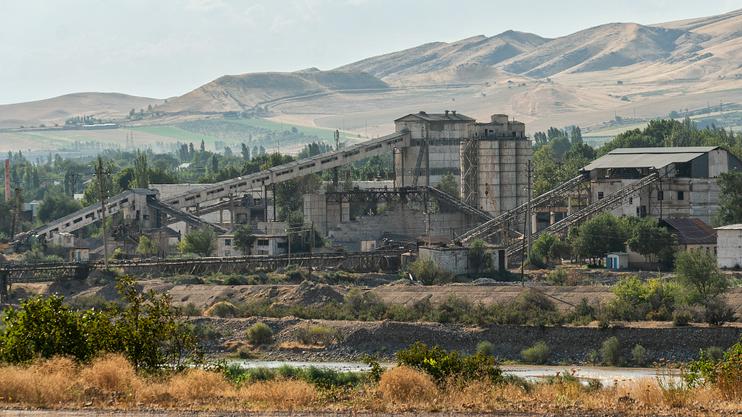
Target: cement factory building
489,159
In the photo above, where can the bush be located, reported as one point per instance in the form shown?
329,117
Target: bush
485,348
724,373
443,365
316,335
538,353
610,351
259,334
681,317
427,272
557,276
279,394
639,355
407,386
717,312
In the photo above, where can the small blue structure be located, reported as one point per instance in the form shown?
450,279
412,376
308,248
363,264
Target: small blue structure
617,261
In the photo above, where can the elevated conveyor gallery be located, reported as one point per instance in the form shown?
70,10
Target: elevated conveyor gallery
229,188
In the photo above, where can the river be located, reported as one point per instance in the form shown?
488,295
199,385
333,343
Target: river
608,376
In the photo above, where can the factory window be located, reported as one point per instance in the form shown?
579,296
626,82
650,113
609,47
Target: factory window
600,195
681,195
660,195
227,242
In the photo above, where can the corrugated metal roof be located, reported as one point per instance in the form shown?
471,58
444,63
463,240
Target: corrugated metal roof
664,150
439,117
731,227
692,231
640,160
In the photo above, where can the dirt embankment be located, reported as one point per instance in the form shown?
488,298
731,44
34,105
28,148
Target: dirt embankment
382,339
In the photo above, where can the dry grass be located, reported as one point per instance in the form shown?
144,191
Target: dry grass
403,385
111,374
110,381
280,394
199,386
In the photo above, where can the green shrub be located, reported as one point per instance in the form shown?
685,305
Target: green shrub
639,355
610,351
316,335
259,334
724,373
681,317
538,353
485,348
427,272
557,276
443,365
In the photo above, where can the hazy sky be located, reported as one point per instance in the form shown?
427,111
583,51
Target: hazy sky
162,48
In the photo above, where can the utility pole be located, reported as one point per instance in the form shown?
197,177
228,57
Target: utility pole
528,211
99,173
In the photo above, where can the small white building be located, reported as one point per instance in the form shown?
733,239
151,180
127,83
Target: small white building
729,246
264,244
617,261
456,259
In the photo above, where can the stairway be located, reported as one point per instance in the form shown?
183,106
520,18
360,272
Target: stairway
494,225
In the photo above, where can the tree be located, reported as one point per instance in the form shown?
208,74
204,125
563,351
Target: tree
651,240
245,152
141,171
576,135
43,326
203,146
541,248
199,241
449,185
55,206
479,259
147,247
244,238
600,235
698,272
730,198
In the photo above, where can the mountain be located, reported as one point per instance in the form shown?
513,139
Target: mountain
465,59
245,91
58,109
597,77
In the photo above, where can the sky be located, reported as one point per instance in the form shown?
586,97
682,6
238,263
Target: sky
164,48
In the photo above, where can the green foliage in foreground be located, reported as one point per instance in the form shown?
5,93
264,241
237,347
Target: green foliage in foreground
725,372
146,329
443,365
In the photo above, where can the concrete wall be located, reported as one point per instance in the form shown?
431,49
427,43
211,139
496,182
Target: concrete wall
700,197
453,260
398,221
443,151
503,174
729,247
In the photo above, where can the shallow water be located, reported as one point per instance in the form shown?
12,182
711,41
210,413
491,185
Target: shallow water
608,376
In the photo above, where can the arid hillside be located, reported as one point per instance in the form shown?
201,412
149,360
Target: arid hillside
57,109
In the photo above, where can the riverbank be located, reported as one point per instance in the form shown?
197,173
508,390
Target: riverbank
567,344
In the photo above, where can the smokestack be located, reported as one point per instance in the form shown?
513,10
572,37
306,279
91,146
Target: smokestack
7,180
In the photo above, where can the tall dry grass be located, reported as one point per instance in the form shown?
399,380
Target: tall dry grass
280,394
110,381
45,383
111,374
404,385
